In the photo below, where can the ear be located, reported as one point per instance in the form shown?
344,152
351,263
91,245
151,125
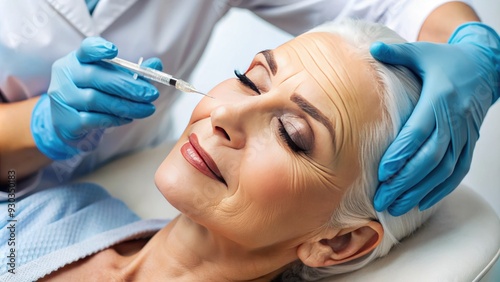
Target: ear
344,246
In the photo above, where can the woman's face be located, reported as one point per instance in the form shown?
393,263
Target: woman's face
267,161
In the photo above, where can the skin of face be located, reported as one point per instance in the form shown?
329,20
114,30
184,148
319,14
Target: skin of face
272,195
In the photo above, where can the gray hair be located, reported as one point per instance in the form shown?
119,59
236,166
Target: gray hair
399,90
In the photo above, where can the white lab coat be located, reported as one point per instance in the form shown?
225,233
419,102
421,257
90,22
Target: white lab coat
33,34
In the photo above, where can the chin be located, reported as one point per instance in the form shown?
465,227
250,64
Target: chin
176,194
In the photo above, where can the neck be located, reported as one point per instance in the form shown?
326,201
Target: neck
187,251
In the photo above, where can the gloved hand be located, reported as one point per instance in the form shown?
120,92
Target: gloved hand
433,151
85,97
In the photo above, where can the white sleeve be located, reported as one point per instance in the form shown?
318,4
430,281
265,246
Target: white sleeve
296,16
293,16
407,17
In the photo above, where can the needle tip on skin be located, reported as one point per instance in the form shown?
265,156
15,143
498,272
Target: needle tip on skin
204,94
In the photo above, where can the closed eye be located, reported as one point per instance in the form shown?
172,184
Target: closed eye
286,137
246,81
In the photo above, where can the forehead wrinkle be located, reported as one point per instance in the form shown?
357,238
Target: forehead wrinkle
347,86
317,82
344,118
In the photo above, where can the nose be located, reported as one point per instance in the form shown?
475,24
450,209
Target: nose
228,122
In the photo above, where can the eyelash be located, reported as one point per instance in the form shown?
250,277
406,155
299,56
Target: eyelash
288,140
282,131
246,81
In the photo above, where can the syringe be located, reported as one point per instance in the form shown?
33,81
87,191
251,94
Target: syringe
155,75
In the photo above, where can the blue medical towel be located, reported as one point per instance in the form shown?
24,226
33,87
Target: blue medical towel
54,227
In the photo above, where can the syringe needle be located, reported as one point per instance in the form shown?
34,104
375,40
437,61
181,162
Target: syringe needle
206,95
186,87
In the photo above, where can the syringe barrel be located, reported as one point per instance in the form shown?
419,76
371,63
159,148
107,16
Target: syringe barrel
157,76
146,72
165,78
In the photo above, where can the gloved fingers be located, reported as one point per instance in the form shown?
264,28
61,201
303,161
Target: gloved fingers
417,129
94,49
461,169
406,54
154,63
117,83
88,121
450,138
417,168
91,121
74,125
413,196
441,191
444,188
91,100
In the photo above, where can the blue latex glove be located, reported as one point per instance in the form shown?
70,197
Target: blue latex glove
85,97
433,151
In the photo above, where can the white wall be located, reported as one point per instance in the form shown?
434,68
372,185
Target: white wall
484,175
240,35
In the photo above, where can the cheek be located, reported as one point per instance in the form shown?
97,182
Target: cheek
282,200
272,185
268,178
202,110
274,180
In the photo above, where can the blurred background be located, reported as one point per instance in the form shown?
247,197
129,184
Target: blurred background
240,35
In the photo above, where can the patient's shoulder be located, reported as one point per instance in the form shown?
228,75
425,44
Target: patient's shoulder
71,200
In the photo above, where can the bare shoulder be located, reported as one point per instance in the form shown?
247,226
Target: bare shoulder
102,266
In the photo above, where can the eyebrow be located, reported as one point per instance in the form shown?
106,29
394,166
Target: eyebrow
312,111
268,54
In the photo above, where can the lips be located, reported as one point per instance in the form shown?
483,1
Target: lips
200,159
